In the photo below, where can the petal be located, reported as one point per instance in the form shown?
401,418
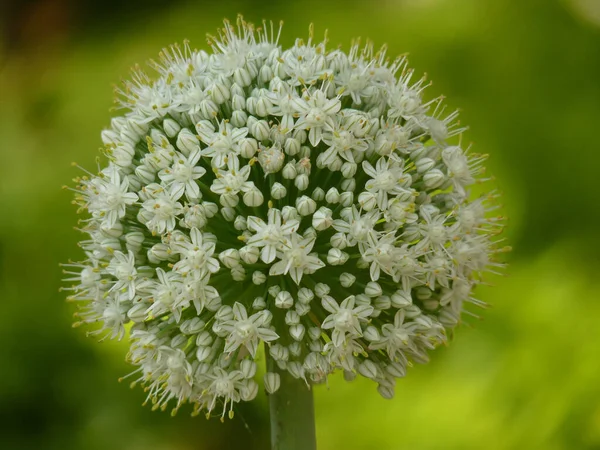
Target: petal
363,311
348,302
252,346
239,311
267,335
278,268
329,304
338,337
296,274
327,323
196,236
255,223
192,189
369,170
177,190
341,225
374,271
290,227
268,254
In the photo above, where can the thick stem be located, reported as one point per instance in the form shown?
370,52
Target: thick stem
292,413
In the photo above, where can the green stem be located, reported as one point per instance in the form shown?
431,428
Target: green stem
292,413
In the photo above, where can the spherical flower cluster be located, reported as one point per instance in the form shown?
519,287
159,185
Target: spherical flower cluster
308,199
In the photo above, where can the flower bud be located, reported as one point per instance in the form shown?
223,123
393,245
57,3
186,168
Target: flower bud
284,300
248,147
259,302
279,353
265,74
238,273
138,313
305,295
336,257
339,240
289,213
295,369
373,289
228,213
238,118
301,182
368,369
297,332
382,302
242,77
289,171
272,382
346,198
321,290
371,334
171,127
424,164
229,200
305,205
433,178
230,258
314,333
302,309
240,223
253,198
260,130
271,159
349,169
400,299
202,353
396,369
192,326
249,254
349,184
318,194
292,146
347,279
219,93
322,219
258,277
278,191
367,200
332,196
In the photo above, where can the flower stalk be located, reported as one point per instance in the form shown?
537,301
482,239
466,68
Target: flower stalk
292,413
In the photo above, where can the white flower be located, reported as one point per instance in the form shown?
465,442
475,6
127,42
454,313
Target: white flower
358,227
342,143
395,337
315,112
196,255
271,159
168,294
232,180
381,253
247,330
160,212
181,176
243,184
387,179
296,258
270,236
344,318
123,268
221,143
109,198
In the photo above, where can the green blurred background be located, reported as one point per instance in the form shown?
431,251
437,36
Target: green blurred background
526,74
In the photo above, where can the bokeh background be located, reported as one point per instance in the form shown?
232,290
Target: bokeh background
526,74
